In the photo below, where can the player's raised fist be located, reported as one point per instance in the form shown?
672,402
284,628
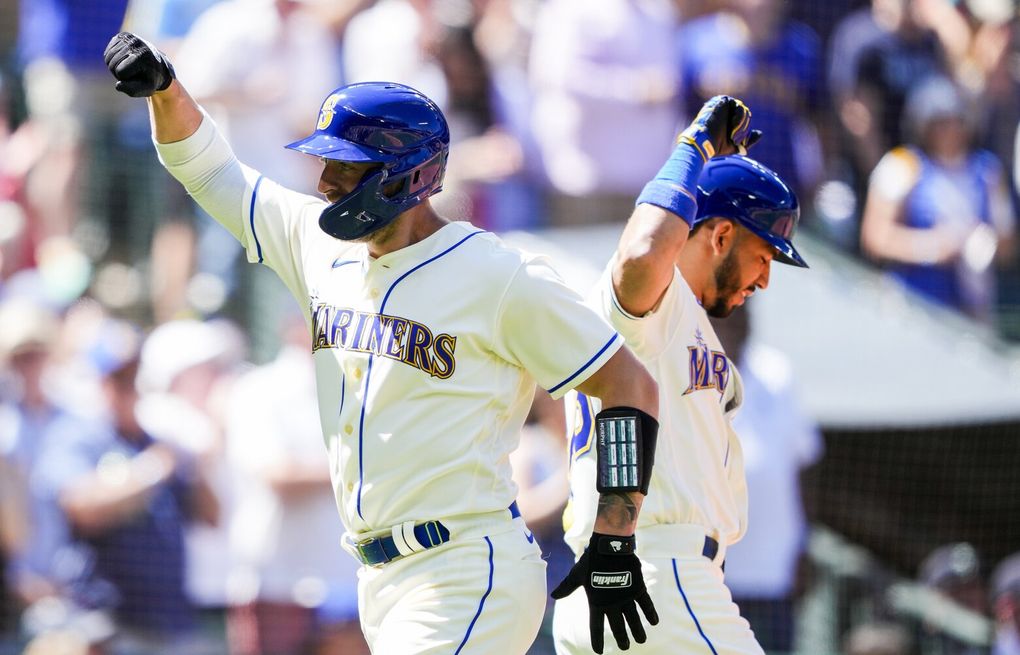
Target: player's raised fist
722,127
140,68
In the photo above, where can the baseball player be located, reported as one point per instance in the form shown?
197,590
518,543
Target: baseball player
700,241
428,339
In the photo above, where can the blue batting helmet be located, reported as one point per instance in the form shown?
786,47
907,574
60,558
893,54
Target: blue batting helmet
391,125
741,189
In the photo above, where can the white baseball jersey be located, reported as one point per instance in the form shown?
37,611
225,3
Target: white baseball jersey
697,489
698,476
426,358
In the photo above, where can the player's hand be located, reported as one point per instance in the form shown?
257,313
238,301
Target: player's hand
140,68
722,127
610,573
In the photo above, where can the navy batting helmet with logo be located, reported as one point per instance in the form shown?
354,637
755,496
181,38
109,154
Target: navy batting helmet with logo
391,125
741,189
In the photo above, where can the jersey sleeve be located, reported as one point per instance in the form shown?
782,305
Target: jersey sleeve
646,335
896,174
545,328
277,226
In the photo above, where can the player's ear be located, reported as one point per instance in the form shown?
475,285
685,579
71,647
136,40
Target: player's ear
724,235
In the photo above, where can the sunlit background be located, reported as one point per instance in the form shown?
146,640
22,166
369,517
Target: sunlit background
882,420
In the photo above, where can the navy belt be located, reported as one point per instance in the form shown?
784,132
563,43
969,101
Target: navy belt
381,550
711,549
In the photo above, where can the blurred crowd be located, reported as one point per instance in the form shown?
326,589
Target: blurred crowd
894,120
157,488
158,492
956,605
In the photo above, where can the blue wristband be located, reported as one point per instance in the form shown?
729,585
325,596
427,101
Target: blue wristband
675,186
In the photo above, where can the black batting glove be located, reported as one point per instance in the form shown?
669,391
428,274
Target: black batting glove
610,573
722,127
140,68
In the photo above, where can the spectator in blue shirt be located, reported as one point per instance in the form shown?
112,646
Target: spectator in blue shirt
938,215
876,53
127,497
753,51
27,409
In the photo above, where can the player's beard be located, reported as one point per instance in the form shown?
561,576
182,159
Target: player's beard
727,285
378,236
384,233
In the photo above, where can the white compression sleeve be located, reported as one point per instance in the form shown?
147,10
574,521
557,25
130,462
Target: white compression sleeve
205,164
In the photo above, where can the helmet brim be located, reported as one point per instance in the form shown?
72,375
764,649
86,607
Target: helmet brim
785,252
331,147
765,224
776,227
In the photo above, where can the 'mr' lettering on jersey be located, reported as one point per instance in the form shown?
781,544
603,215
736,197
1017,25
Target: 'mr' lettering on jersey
393,337
710,369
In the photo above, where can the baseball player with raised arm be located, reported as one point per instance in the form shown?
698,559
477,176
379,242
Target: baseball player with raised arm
428,339
700,241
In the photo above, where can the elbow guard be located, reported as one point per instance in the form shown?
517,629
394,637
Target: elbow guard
625,443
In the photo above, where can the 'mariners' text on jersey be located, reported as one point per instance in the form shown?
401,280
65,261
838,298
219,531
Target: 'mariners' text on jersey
393,337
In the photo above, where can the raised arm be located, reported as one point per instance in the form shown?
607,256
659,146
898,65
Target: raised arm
646,256
658,228
95,503
142,71
173,114
188,143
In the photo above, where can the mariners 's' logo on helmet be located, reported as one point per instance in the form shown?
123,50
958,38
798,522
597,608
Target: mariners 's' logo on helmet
327,112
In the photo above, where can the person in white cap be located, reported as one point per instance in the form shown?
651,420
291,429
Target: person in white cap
127,497
28,407
183,378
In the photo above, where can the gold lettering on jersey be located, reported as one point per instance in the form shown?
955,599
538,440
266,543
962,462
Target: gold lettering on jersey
393,337
709,369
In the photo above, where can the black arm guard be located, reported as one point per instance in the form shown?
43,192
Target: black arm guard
625,442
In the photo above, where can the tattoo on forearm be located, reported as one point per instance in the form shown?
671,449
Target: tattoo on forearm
617,509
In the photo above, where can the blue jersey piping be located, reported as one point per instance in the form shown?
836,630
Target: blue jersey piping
587,363
251,216
371,359
676,575
481,603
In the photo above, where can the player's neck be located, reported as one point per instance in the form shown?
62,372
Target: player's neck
414,225
696,268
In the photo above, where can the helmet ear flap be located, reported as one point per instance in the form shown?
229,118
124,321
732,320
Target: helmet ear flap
429,175
418,183
371,205
360,212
